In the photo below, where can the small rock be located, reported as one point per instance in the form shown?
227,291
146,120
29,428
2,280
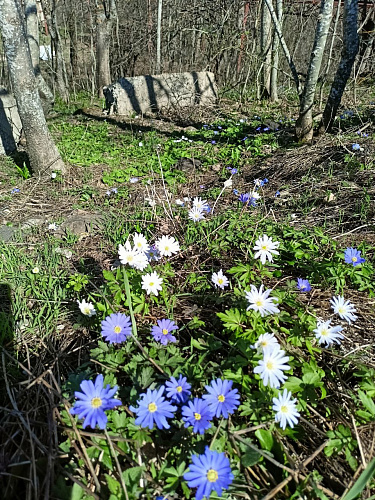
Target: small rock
188,164
7,233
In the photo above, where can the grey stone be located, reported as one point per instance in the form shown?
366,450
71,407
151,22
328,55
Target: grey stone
142,94
7,233
30,223
81,223
188,164
10,123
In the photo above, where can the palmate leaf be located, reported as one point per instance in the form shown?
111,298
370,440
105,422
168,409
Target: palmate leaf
232,319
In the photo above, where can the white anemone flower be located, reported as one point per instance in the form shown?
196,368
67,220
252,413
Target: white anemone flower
200,204
167,246
266,249
325,333
265,340
152,283
132,257
219,279
271,367
140,242
53,226
196,214
344,308
86,308
261,302
285,408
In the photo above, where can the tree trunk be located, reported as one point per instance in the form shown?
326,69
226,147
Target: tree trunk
42,152
265,47
275,53
32,29
105,14
158,37
304,124
49,10
283,44
350,50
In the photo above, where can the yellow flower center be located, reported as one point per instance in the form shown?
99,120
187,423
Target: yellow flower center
284,409
165,331
212,476
220,281
117,329
166,249
151,283
130,258
264,247
259,303
197,416
269,365
179,388
324,332
354,259
341,309
221,398
152,407
264,343
86,311
96,402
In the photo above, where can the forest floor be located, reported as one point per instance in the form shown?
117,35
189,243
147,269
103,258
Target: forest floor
140,175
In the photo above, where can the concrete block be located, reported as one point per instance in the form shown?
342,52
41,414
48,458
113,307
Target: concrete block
10,123
150,93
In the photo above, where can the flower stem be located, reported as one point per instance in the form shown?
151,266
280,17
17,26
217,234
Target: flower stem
129,297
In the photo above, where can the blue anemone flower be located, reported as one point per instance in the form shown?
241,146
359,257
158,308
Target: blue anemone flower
303,285
178,390
153,409
210,471
116,328
353,256
222,399
244,198
198,414
162,331
93,401
356,147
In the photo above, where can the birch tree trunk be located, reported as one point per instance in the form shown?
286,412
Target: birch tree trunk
158,37
265,47
32,29
49,10
105,14
283,44
304,124
350,50
275,53
42,152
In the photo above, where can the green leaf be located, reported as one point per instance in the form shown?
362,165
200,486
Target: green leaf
232,319
361,482
367,402
108,275
265,439
250,457
77,492
113,485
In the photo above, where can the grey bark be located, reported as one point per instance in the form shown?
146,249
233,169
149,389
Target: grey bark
350,50
158,37
42,152
49,9
265,47
283,44
304,124
105,14
275,53
32,30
